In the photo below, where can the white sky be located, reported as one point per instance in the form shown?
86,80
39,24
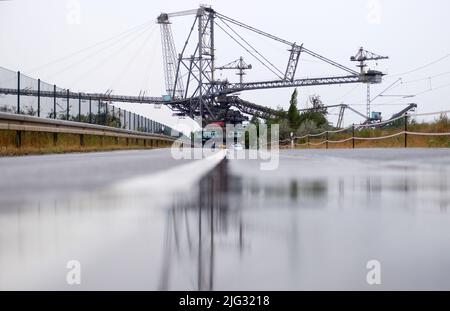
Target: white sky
412,33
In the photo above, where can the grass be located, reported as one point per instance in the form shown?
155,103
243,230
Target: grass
44,143
441,125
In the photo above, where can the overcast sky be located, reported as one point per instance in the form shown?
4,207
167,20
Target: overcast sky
412,33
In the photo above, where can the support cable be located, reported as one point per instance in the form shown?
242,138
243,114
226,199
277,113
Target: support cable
124,33
240,24
89,56
422,67
385,90
313,54
139,51
256,51
248,51
111,55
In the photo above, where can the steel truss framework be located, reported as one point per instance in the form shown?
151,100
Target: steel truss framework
191,85
84,96
211,99
170,59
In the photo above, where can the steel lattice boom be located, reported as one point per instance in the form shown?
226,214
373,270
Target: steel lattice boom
206,97
190,79
170,58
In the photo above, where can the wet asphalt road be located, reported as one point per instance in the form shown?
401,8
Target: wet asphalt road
28,177
314,223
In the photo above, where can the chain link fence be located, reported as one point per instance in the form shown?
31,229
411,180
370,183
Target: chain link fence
71,109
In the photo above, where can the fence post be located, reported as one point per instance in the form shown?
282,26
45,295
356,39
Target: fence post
39,98
79,107
307,141
18,133
113,115
18,92
406,131
68,105
106,114
120,119
54,101
98,111
90,110
353,136
327,139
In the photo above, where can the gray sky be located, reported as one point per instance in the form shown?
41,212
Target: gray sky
412,33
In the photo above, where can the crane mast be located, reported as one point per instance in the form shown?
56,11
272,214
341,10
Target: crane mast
174,85
206,58
240,65
362,57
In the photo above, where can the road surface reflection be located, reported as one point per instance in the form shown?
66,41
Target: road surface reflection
241,229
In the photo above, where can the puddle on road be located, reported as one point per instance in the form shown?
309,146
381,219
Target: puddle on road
237,231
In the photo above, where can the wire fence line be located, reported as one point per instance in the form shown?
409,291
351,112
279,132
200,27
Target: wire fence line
340,141
70,109
356,129
430,113
359,126
381,137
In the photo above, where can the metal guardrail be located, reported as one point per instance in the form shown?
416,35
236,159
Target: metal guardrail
18,122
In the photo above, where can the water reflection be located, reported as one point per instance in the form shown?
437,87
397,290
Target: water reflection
234,222
236,230
194,226
200,225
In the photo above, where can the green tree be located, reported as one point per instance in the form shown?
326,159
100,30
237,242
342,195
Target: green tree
317,117
293,115
292,121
